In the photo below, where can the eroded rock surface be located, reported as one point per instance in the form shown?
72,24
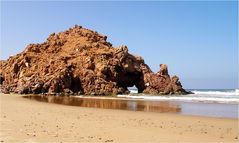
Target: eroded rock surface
81,61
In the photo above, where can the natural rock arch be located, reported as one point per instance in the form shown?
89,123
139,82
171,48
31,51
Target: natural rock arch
81,61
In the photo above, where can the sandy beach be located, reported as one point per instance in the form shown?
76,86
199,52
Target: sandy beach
24,120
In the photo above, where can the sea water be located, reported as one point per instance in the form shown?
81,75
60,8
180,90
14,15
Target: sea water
210,103
204,102
228,96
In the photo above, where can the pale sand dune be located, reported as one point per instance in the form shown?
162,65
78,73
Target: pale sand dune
23,120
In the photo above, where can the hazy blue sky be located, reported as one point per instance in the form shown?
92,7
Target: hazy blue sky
198,40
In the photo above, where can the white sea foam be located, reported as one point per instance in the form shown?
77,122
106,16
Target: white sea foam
226,92
133,91
209,96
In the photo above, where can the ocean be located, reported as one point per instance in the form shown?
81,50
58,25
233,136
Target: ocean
220,103
227,96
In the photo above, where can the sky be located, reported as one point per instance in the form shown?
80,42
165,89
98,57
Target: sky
197,40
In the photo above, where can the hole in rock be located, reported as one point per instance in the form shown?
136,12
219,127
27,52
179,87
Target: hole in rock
131,81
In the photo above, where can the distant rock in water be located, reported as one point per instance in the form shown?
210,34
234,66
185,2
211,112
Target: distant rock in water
81,61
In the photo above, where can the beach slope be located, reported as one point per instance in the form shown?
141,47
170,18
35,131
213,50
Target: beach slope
24,120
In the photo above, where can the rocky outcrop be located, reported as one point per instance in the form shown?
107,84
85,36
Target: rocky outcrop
81,61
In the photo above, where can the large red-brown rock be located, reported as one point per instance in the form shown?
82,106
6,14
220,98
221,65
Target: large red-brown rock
81,61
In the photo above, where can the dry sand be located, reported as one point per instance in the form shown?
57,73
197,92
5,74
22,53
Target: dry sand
24,120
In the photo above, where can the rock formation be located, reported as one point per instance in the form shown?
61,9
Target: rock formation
81,61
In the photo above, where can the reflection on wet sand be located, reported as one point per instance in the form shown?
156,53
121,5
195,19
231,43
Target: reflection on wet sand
124,104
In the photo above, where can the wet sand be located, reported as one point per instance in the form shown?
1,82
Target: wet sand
24,120
221,110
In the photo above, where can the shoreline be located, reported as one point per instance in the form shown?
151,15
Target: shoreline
138,97
203,109
31,121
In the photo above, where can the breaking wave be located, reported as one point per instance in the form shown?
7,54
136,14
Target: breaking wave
207,96
220,92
